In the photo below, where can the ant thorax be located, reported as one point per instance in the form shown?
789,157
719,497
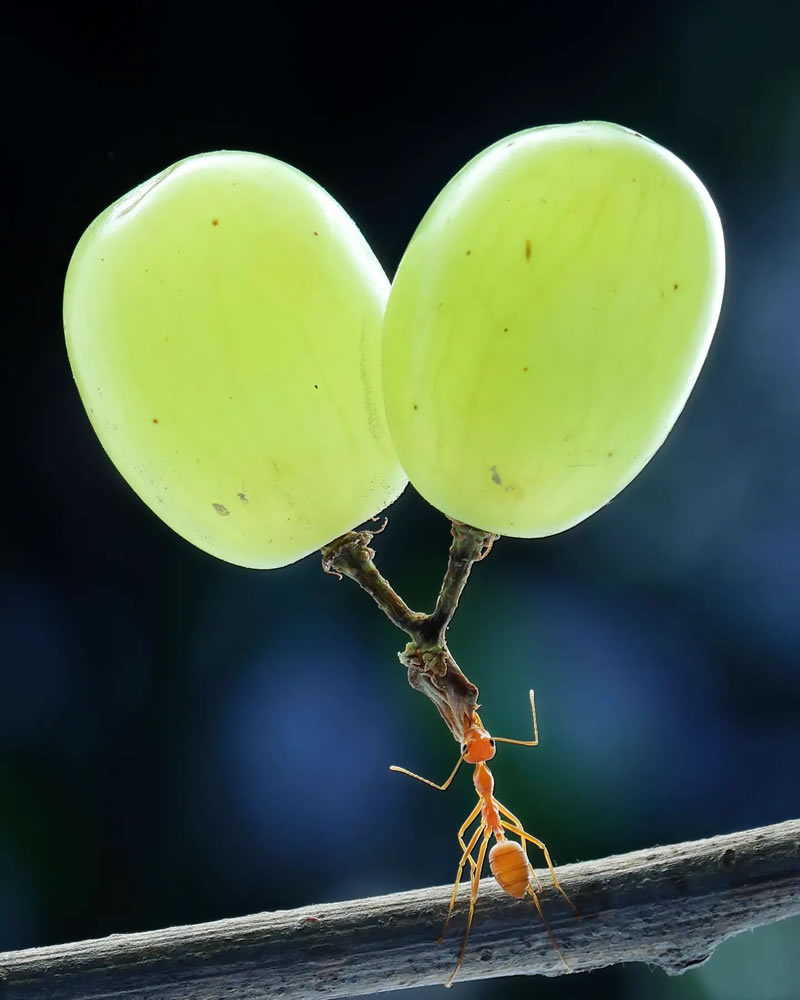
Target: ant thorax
483,779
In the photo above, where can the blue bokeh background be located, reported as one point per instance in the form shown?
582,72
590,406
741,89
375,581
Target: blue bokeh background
182,740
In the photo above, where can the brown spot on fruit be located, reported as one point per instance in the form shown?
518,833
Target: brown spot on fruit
155,420
215,222
221,509
495,475
468,252
527,249
675,287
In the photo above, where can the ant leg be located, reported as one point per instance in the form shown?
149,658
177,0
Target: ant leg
538,843
535,897
476,878
467,853
509,815
524,743
425,781
534,892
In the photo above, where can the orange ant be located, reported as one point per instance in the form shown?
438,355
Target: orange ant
508,860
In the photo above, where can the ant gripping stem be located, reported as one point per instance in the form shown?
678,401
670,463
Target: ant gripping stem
508,860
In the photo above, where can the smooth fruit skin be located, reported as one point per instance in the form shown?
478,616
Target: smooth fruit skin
547,323
223,324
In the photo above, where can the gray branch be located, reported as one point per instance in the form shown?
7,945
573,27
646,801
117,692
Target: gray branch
669,906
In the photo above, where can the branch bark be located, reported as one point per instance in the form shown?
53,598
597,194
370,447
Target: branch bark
669,906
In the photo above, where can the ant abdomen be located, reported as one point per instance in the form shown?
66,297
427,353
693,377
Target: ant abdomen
510,867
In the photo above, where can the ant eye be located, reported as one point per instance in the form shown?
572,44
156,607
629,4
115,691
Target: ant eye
492,744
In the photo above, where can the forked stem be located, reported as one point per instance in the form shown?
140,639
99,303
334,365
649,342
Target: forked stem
431,667
469,546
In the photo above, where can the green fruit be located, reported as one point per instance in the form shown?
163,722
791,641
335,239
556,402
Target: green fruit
223,325
547,323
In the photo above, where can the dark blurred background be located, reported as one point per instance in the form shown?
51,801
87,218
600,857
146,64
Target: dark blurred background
182,740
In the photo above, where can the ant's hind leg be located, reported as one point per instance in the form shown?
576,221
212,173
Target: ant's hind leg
534,896
534,891
538,843
509,815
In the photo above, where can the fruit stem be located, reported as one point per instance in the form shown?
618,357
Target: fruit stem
469,545
430,665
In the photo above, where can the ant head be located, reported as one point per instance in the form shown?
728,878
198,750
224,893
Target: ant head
478,745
